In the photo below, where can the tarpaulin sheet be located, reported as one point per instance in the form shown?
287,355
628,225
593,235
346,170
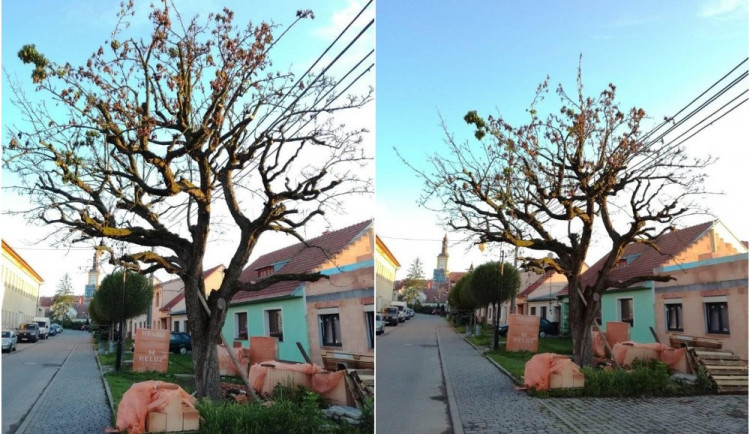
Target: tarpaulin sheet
144,397
540,366
626,352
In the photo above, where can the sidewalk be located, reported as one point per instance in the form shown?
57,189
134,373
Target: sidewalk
485,401
484,397
75,401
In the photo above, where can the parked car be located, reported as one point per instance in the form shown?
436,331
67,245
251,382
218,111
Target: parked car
546,328
390,315
57,327
28,332
10,340
51,331
379,324
44,324
179,342
410,312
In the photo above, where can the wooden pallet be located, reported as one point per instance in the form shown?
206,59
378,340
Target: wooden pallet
724,368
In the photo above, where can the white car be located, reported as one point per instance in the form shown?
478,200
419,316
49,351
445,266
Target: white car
10,340
379,324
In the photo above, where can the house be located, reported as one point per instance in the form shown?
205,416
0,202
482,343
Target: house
636,304
21,286
385,274
333,314
167,311
708,298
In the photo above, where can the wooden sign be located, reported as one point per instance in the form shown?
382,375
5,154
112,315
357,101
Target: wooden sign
151,350
523,333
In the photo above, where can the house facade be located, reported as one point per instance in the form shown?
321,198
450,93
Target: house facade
637,305
708,298
333,314
386,266
21,286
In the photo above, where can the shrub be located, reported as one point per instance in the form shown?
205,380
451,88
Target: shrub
282,416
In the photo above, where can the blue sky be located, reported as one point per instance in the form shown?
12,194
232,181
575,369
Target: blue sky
71,31
446,58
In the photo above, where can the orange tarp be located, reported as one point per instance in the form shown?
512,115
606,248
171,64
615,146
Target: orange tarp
626,352
599,348
263,348
144,397
542,367
226,366
264,377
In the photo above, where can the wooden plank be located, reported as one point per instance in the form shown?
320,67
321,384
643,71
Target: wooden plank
716,356
726,368
726,390
727,363
711,350
727,372
729,377
722,383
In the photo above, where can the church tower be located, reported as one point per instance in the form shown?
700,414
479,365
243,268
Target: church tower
93,280
441,271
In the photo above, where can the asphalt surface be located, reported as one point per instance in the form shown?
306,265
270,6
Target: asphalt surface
410,393
54,386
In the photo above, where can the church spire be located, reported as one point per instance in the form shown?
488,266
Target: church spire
445,245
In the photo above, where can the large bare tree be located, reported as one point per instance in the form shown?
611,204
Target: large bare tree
155,141
554,183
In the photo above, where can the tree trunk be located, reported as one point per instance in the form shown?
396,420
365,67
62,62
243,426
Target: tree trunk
581,317
204,334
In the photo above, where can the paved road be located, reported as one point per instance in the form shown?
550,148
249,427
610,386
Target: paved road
410,396
487,403
54,386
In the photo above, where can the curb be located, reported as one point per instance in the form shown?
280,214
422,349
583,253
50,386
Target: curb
456,423
107,391
517,382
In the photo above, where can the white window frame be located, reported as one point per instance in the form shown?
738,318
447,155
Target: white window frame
267,323
237,325
619,310
673,301
329,311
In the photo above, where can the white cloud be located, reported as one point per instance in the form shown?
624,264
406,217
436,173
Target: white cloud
719,8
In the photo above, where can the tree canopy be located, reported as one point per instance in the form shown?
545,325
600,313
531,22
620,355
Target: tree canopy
160,144
63,299
107,303
490,284
550,183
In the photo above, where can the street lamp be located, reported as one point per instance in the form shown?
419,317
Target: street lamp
497,308
120,343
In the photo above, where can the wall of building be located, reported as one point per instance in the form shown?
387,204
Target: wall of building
385,277
350,295
699,282
293,325
643,311
21,287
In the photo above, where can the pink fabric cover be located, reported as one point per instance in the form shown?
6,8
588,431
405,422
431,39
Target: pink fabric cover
674,358
538,369
144,397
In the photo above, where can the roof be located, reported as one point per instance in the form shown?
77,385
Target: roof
181,296
643,259
386,252
23,263
535,283
298,259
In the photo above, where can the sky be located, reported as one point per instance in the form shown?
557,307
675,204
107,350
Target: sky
72,31
443,59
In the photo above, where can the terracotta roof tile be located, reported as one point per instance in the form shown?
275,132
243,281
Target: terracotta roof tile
645,258
298,258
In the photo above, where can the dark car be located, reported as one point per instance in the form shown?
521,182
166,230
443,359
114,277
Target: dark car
546,328
28,332
180,343
390,315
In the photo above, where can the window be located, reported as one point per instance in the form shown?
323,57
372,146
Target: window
330,330
274,325
674,317
717,318
626,310
176,326
533,310
266,271
370,321
240,325
544,312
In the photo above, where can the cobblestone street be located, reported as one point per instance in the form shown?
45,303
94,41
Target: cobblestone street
487,403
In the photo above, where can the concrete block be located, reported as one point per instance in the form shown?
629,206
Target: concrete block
190,419
156,422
